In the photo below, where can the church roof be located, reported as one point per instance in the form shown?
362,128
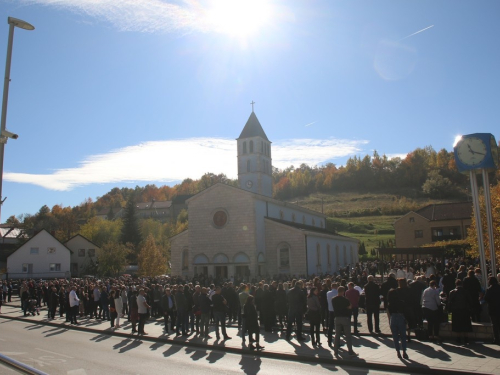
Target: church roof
309,228
253,128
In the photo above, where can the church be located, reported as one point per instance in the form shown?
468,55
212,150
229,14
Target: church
244,232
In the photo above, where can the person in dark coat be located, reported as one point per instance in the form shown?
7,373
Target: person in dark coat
372,303
472,287
492,297
281,305
296,308
267,309
459,304
54,301
252,323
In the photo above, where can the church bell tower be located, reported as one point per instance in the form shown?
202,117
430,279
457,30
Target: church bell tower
254,158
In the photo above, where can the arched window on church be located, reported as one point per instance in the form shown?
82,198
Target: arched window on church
284,258
318,255
248,165
251,146
185,259
337,256
244,147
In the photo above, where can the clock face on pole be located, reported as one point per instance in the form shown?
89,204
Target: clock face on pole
471,151
249,184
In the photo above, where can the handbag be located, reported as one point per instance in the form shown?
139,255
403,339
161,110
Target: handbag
112,309
421,334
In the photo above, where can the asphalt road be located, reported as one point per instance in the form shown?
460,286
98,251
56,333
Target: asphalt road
57,351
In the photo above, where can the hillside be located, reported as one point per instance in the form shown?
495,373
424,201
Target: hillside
368,217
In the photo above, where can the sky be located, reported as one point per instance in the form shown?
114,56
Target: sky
124,93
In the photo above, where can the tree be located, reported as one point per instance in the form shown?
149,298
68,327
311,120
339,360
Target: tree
437,186
495,213
151,260
130,230
112,259
101,231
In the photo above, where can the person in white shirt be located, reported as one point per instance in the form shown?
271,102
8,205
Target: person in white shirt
431,308
74,303
331,315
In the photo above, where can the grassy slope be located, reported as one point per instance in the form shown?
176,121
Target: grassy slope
369,229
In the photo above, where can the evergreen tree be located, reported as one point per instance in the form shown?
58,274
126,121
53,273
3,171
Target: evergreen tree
130,230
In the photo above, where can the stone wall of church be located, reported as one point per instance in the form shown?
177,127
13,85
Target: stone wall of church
276,236
177,244
237,235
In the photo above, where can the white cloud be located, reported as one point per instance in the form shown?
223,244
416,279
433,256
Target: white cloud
174,160
165,16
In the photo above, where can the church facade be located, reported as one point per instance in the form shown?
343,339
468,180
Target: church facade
244,232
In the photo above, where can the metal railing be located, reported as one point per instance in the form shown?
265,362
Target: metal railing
22,367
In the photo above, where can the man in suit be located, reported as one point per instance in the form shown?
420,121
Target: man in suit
372,302
296,307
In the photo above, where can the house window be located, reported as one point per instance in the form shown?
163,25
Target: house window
25,267
244,147
51,250
437,232
74,268
412,219
54,267
34,251
419,234
251,146
91,253
81,253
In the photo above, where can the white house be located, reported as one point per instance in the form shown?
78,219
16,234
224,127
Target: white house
42,257
84,254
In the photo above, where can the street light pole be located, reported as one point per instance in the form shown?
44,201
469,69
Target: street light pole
13,22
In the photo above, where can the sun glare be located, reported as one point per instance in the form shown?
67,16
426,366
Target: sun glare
239,18
457,139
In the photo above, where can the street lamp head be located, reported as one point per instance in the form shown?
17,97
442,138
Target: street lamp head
20,23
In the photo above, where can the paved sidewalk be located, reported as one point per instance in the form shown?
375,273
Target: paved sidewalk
375,352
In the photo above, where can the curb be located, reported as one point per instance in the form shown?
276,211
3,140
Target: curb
360,363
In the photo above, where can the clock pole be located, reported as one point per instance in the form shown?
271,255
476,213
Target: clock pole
489,220
479,228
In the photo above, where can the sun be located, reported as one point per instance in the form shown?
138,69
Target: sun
238,18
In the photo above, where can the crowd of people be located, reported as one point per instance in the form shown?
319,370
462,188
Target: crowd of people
422,290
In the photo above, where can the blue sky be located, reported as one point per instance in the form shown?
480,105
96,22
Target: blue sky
129,92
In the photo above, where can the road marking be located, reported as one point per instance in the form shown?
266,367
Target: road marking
48,351
13,353
79,371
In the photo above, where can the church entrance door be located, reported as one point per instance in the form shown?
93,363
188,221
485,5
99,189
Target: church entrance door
221,271
242,271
